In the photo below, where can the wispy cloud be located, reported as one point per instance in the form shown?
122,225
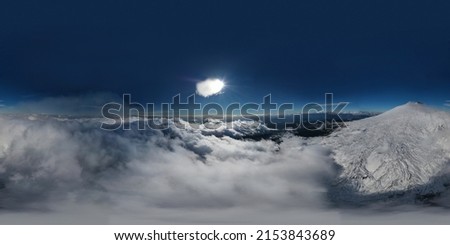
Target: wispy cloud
447,103
86,104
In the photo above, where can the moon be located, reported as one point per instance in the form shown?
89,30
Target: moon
210,86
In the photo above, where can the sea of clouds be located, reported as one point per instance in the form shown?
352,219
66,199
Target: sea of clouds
47,160
60,170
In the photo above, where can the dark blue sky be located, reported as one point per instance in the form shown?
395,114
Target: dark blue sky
375,54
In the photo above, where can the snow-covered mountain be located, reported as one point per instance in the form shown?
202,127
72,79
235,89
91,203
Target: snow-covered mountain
404,150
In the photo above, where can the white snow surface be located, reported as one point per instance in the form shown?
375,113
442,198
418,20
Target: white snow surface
404,149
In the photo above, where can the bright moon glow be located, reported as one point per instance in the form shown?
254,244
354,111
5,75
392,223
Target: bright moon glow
210,86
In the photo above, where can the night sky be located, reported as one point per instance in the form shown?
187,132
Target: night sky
374,54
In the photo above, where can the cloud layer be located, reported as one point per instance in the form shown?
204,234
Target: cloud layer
45,160
59,170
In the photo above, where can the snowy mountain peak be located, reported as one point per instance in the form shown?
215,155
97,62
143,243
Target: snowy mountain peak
402,150
410,107
415,103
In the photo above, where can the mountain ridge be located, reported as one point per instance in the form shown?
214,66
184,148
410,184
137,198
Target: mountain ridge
406,149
